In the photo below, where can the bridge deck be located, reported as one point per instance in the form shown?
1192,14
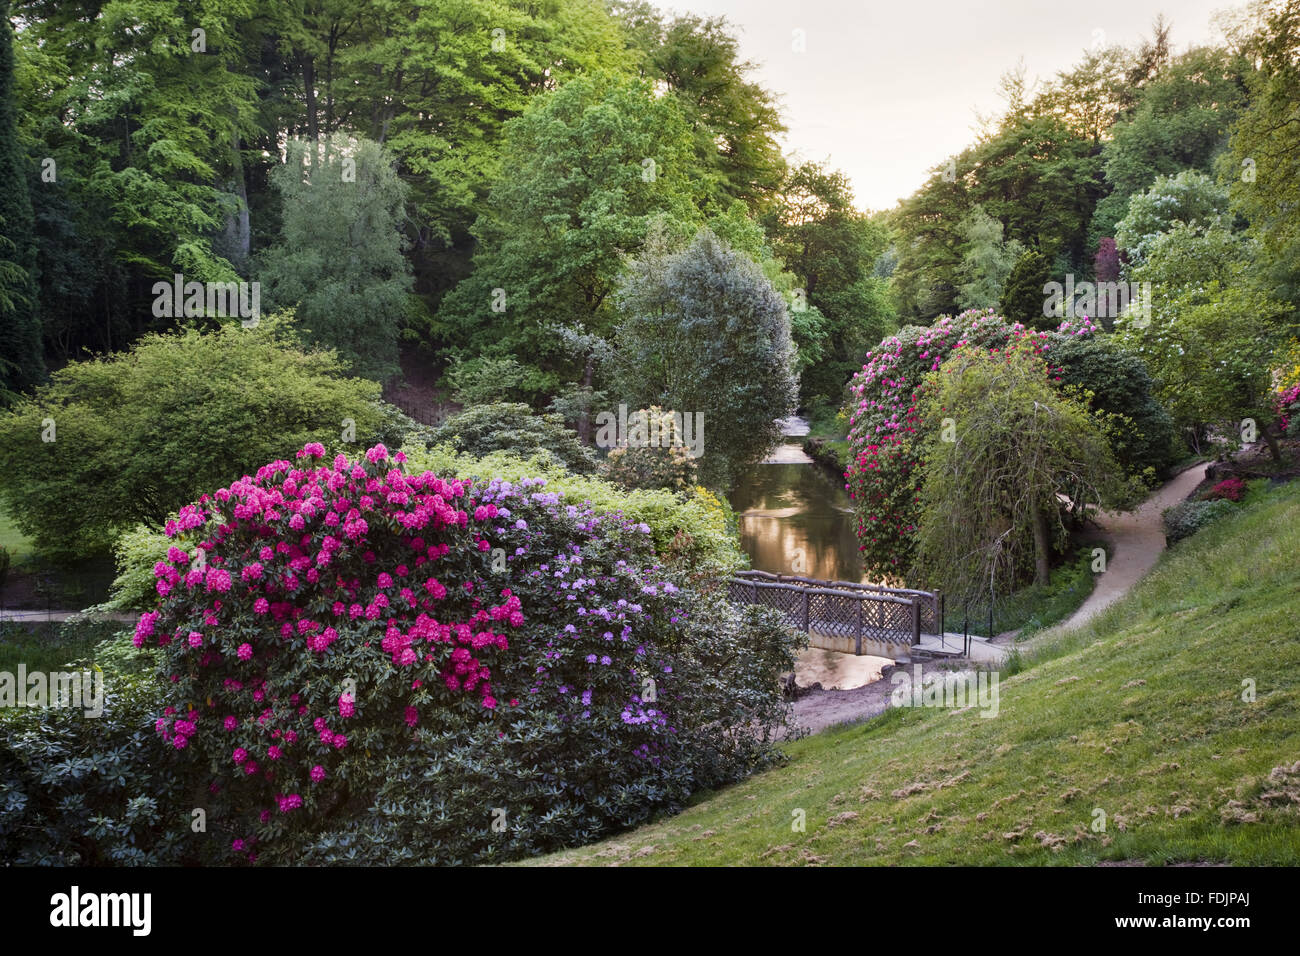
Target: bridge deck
861,619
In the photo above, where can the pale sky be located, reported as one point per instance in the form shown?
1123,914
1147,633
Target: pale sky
888,88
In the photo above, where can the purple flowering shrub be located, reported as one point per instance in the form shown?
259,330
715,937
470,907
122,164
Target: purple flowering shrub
366,665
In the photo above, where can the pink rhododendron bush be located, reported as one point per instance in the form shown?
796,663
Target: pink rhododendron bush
887,433
884,475
372,666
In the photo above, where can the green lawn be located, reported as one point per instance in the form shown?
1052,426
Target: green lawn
1140,716
19,545
44,646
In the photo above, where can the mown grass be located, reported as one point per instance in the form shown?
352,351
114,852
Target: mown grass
1139,715
50,646
18,544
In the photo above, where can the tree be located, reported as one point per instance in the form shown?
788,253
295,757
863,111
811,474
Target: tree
1023,297
146,156
22,363
987,262
1180,120
339,259
130,438
1263,164
1191,198
703,331
734,122
1106,264
990,511
585,170
810,329
1037,174
435,84
1213,331
831,248
1118,385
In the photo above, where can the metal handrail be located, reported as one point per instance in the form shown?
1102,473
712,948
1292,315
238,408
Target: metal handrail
828,591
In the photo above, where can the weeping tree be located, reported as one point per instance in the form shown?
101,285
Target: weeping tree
1006,458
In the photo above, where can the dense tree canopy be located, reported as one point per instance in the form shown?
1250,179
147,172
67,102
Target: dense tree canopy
21,361
338,262
588,168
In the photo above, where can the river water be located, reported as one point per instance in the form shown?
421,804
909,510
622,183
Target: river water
796,518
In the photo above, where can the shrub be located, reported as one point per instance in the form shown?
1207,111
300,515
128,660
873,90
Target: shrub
112,442
372,665
667,464
136,552
80,791
513,427
484,380
884,473
883,476
1117,383
1184,520
693,533
1286,405
1230,489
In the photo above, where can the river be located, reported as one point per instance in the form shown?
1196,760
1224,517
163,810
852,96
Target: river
796,518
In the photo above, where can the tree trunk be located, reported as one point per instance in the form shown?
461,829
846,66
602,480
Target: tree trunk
584,420
1267,431
1042,548
309,88
238,227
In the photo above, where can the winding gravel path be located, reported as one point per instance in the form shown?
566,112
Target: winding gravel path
1135,540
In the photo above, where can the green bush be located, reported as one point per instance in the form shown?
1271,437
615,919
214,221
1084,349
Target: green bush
127,439
484,380
694,532
514,427
136,552
1117,383
95,791
1184,520
666,464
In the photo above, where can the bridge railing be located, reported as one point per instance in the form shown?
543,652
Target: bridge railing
860,612
930,606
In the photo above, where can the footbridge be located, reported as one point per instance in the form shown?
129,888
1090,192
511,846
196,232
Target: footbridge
902,624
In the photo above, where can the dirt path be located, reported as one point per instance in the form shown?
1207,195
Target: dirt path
819,709
1134,541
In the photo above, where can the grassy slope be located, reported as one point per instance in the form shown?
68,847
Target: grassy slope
19,545
1140,715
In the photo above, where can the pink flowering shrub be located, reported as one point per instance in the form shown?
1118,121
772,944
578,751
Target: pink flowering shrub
364,665
1286,405
884,473
1230,489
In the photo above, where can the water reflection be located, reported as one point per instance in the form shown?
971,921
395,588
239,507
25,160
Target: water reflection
796,519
